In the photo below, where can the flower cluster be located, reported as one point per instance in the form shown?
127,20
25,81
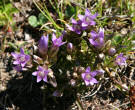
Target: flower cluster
69,50
84,22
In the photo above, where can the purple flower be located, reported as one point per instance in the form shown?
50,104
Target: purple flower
41,74
97,39
88,77
120,60
57,42
76,26
43,45
21,59
88,18
111,51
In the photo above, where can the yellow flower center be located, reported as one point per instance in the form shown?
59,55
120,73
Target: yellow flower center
88,76
87,19
41,74
22,58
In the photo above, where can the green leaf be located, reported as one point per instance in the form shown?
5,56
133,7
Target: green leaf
70,10
42,19
118,39
33,21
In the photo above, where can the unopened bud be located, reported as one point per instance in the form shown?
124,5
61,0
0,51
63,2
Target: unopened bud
101,56
43,45
69,47
81,69
72,82
111,51
75,75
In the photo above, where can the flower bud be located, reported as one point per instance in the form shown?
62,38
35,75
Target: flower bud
101,56
43,45
81,69
72,82
57,93
111,51
75,75
69,47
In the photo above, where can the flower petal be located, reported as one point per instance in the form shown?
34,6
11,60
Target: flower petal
93,73
16,62
92,41
73,21
92,23
78,31
53,37
87,12
94,16
87,83
84,24
101,33
40,68
23,64
93,34
83,75
21,50
15,55
45,79
17,68
35,73
81,17
70,27
87,69
39,79
93,81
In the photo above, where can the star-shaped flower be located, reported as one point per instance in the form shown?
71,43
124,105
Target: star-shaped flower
88,77
41,74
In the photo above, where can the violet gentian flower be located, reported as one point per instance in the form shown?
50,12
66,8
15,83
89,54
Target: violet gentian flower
21,59
57,42
41,74
88,18
120,60
76,26
88,76
43,45
97,39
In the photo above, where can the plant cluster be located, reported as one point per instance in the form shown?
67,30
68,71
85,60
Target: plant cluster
76,59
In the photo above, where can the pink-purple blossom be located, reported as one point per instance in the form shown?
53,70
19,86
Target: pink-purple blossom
120,60
88,76
41,74
87,19
97,39
76,26
43,45
21,59
57,42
